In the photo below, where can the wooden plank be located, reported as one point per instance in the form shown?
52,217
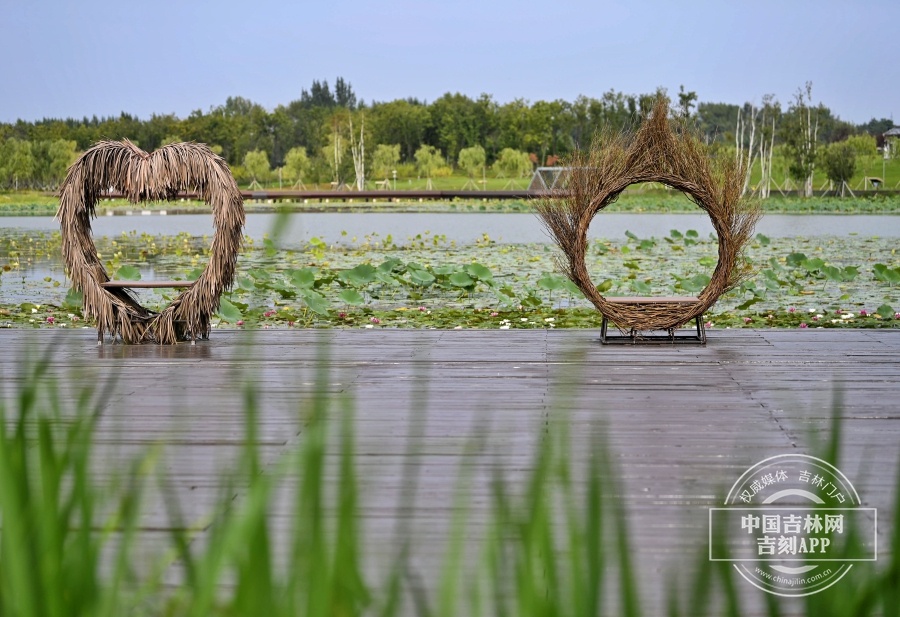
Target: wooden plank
146,284
680,423
652,299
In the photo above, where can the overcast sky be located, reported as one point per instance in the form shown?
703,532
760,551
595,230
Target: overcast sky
67,58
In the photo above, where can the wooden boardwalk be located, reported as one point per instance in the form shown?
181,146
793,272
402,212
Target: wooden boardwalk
683,422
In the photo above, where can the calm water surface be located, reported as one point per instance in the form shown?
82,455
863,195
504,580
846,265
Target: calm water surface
465,228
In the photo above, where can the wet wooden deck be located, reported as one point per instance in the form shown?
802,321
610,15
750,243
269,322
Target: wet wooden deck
683,422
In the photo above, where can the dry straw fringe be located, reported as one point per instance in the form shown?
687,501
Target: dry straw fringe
664,151
141,177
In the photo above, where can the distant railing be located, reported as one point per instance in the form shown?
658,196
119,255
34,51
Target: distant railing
276,195
379,195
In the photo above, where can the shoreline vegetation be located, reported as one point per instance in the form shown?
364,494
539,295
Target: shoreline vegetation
652,200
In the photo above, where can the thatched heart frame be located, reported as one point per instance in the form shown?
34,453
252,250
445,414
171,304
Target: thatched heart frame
122,166
655,153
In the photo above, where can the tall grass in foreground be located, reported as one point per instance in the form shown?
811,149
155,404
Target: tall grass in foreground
556,544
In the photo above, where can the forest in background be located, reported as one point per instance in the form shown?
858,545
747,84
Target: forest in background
329,135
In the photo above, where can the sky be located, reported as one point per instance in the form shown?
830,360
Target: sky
75,59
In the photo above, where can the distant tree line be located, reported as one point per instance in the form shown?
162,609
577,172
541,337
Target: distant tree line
329,135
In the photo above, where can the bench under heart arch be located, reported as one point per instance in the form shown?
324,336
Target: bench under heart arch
121,166
666,152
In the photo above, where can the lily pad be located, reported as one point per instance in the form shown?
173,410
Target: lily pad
316,302
461,279
228,311
421,278
886,311
128,273
351,296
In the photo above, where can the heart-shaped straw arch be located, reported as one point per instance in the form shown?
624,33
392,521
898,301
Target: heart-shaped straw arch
122,166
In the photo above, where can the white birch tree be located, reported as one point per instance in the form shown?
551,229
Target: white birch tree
358,151
745,131
770,109
800,135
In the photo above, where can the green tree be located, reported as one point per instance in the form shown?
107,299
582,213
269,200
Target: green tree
336,146
343,94
296,165
716,121
16,163
385,160
239,126
543,129
799,133
459,122
512,118
403,122
512,164
686,102
155,131
256,163
863,145
770,114
876,127
62,154
839,163
472,160
428,160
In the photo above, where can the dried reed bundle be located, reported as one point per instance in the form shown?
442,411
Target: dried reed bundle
141,177
661,151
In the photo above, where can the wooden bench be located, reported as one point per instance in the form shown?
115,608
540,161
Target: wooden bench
633,337
145,285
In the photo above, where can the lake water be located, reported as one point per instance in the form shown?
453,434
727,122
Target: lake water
465,228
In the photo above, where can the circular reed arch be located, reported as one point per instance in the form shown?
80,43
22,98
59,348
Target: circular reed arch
668,152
